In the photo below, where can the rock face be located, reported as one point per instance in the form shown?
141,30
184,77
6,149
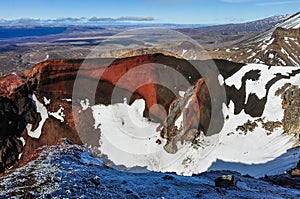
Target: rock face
290,95
280,49
16,111
188,116
278,46
36,105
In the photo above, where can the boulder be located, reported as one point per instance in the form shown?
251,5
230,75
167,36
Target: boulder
226,181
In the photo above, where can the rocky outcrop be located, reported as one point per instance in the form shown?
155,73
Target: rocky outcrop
290,95
290,179
16,110
70,171
280,33
226,181
278,46
188,116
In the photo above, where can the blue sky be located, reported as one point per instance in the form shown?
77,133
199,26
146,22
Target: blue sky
162,11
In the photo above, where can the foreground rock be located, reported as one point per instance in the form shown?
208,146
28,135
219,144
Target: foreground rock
70,171
226,181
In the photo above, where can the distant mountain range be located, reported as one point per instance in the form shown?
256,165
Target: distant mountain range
229,34
94,21
119,21
25,42
72,21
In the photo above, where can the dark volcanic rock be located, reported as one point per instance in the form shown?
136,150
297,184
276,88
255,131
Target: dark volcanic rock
290,95
61,171
226,181
291,105
284,180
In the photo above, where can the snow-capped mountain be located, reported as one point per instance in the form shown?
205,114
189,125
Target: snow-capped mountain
292,22
278,46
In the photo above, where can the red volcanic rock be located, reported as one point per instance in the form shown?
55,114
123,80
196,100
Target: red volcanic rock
10,84
198,110
188,116
24,96
40,106
55,79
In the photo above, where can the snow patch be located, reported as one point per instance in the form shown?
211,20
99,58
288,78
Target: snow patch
288,55
123,126
59,114
282,61
23,141
44,115
221,79
265,75
47,101
266,44
273,110
178,122
241,152
252,55
20,155
68,100
85,104
292,23
181,93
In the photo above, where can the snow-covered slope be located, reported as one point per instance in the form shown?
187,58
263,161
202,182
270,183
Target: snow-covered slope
293,22
277,46
255,145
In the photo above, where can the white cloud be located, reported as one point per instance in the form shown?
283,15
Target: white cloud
129,18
